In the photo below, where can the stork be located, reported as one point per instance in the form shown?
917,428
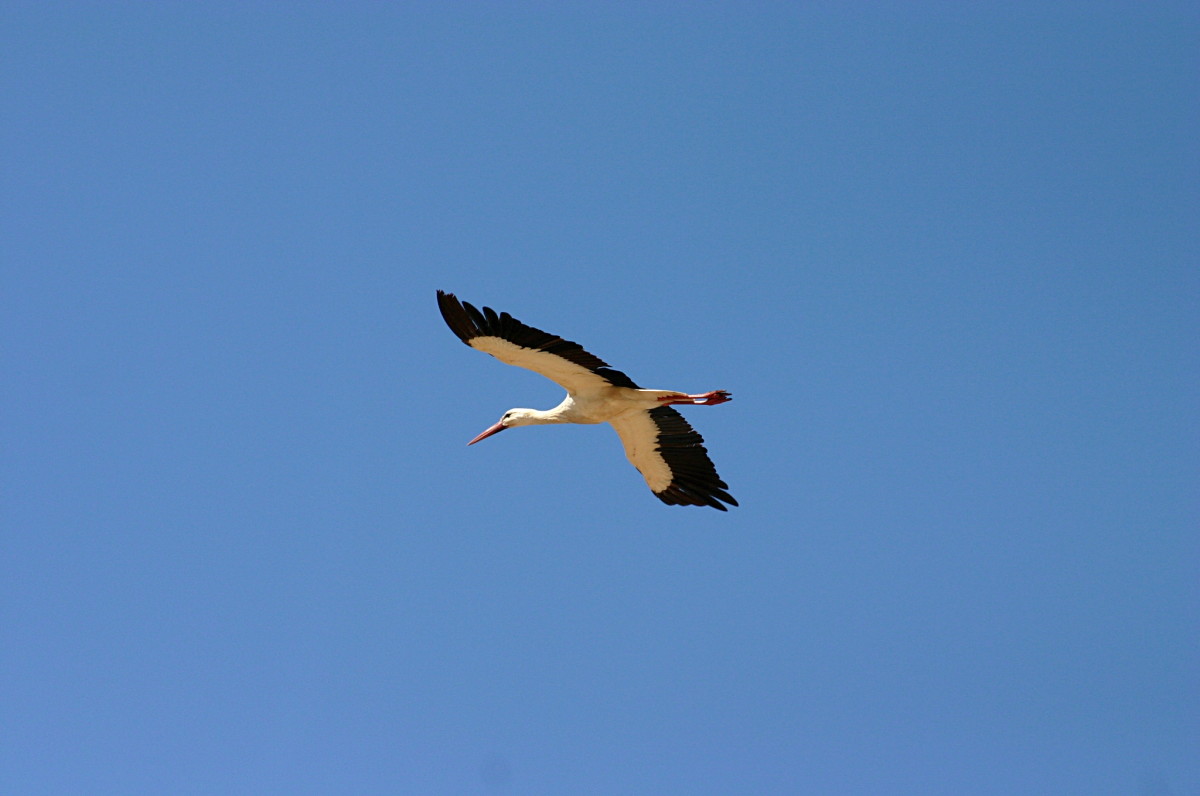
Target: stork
667,451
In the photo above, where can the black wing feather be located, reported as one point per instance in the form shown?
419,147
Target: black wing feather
468,323
694,479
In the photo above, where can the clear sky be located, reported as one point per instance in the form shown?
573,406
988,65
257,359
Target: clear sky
945,256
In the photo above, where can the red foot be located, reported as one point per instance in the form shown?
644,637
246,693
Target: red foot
703,399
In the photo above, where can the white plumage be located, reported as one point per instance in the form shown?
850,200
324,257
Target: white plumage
666,450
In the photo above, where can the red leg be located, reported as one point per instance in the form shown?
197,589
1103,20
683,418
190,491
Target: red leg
703,399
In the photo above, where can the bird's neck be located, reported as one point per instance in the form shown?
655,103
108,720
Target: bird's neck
538,417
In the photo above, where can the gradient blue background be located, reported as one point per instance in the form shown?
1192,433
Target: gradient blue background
946,259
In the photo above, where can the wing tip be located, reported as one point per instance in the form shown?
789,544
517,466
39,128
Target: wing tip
456,316
678,495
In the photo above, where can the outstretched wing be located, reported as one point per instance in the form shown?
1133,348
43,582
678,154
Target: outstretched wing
514,343
671,456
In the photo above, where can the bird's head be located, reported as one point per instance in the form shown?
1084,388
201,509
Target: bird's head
513,417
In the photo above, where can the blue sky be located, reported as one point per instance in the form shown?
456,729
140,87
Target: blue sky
945,257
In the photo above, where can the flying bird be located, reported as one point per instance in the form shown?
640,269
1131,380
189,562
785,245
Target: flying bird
667,451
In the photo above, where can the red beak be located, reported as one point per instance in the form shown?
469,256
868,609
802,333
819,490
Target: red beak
496,429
